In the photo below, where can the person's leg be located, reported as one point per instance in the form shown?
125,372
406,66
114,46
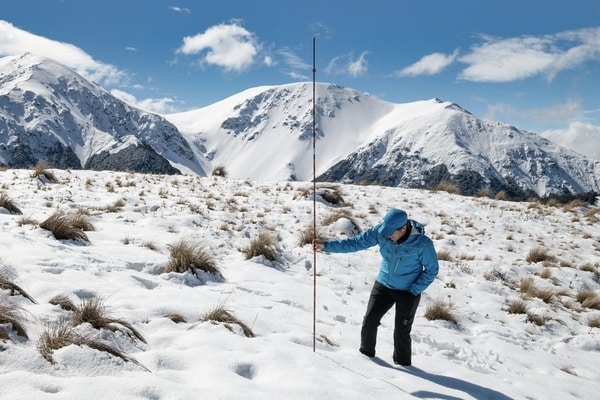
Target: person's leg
380,301
406,308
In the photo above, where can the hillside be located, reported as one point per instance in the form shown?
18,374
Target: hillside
526,327
266,134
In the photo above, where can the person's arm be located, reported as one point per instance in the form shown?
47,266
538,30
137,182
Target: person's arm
360,242
430,269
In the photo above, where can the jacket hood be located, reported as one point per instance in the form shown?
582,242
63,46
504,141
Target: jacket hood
393,220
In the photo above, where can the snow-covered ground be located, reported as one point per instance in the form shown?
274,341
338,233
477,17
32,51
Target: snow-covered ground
490,354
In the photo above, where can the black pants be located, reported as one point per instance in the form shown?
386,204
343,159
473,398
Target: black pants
380,302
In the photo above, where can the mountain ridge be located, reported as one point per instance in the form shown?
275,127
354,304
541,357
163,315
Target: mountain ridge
48,112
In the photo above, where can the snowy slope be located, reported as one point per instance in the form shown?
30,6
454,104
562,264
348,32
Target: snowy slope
266,134
490,353
46,108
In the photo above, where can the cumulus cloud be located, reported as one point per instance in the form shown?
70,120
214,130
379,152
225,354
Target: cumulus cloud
14,41
429,65
581,137
229,46
159,106
346,64
510,59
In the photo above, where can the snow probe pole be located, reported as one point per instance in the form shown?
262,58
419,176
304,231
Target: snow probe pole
314,141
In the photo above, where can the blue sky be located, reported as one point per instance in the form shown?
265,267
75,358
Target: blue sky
534,64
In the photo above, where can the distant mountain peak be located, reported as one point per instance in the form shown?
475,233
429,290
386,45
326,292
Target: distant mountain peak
48,112
362,139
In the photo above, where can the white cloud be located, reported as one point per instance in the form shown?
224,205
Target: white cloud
292,60
505,60
181,10
581,137
158,106
229,46
359,66
14,41
345,64
429,65
563,113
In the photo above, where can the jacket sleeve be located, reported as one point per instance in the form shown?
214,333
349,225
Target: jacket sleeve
368,238
430,269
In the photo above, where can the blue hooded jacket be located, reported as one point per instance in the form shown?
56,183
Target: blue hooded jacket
411,265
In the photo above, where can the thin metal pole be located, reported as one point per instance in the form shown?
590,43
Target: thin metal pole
314,141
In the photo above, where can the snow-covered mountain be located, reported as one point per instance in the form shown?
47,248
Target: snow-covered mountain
48,112
266,133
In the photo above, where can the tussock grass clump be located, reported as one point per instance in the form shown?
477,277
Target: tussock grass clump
7,284
517,306
307,236
265,244
339,214
444,255
27,221
13,315
539,254
63,302
9,205
592,215
448,187
186,255
93,311
220,314
62,334
177,318
538,319
68,226
594,321
40,172
588,299
527,287
441,310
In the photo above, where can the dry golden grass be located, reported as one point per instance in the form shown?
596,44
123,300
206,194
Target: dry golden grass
9,205
444,255
187,255
265,244
219,314
7,284
93,312
63,302
539,254
593,321
447,187
66,226
588,299
40,172
177,318
62,334
517,306
441,310
13,315
527,287
538,319
307,236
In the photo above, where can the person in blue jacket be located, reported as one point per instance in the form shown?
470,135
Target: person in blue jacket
409,265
